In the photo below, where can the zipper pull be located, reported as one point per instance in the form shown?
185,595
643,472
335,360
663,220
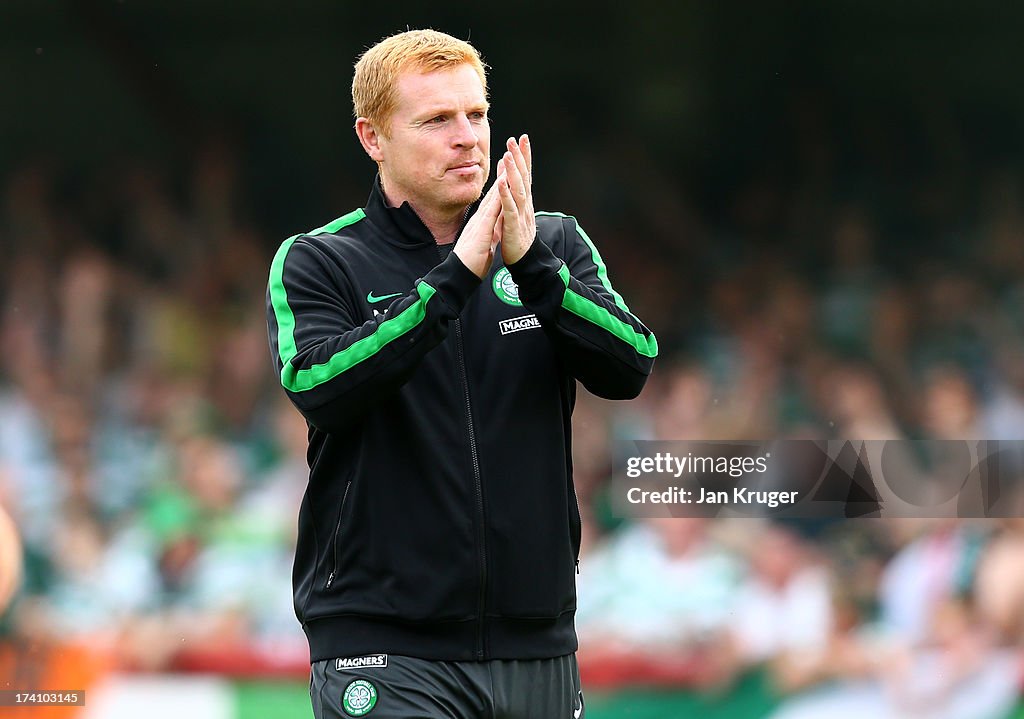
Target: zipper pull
577,570
330,579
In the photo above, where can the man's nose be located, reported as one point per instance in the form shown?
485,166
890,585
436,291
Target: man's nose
464,133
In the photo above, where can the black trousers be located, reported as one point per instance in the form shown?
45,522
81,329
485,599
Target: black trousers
397,687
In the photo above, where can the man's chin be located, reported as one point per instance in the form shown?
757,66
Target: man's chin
468,194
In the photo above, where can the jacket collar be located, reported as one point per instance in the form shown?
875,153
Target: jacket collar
401,225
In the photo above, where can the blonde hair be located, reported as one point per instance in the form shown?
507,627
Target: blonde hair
374,95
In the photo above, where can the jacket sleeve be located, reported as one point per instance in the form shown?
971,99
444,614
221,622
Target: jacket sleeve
332,364
600,342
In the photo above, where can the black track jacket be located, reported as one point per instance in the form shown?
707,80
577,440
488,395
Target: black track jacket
440,519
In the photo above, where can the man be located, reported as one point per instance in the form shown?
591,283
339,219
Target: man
438,537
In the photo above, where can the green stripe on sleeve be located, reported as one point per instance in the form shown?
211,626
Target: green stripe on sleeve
582,307
588,310
297,380
279,301
602,269
279,296
388,331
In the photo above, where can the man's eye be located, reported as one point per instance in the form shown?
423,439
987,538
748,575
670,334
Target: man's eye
478,115
437,120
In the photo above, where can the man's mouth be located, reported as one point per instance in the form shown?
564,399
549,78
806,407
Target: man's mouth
464,168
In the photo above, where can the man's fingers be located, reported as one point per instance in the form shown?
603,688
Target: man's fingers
487,214
516,150
524,156
492,191
508,202
516,183
514,163
519,159
491,206
524,146
515,177
496,233
516,225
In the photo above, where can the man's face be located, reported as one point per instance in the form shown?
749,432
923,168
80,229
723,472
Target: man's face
438,155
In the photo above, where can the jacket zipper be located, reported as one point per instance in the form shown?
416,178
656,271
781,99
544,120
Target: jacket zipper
481,533
337,529
478,486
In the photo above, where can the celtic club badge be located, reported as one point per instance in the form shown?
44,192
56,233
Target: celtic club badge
359,698
506,290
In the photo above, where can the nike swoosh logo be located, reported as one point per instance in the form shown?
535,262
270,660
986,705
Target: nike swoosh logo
371,298
578,711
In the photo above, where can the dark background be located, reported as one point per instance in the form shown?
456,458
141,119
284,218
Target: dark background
905,106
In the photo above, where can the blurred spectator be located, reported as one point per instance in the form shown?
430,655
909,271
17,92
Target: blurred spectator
10,559
848,302
855,398
931,654
783,614
950,409
661,585
999,588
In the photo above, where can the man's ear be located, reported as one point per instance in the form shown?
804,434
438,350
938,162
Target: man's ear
369,138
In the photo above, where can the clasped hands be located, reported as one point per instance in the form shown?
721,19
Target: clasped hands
505,215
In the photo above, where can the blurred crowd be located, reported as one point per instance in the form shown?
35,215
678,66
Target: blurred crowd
154,468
